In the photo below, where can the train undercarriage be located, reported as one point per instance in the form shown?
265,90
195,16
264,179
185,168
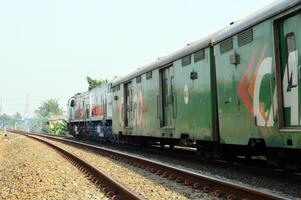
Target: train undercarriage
281,158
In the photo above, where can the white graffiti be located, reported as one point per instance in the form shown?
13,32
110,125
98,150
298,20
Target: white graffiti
264,69
290,87
273,110
186,94
138,108
290,91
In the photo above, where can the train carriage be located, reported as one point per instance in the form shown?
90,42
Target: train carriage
222,93
166,100
257,73
235,92
78,111
90,113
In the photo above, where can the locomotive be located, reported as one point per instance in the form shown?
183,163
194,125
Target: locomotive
233,93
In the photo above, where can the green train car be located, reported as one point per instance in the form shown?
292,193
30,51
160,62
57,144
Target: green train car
235,92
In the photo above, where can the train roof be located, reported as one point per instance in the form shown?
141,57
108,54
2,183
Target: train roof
78,95
86,93
257,17
162,61
251,20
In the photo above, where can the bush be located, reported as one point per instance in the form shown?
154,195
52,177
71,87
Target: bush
58,128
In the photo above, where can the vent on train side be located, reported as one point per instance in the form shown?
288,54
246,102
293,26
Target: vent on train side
186,60
199,55
148,75
226,45
245,37
138,79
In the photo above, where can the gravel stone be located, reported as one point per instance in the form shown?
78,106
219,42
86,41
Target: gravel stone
149,185
286,186
31,170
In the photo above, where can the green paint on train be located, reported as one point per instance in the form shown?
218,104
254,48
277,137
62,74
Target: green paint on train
239,86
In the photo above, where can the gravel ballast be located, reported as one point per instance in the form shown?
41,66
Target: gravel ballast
277,183
149,185
31,170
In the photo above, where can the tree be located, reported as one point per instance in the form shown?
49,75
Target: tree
6,121
17,116
35,125
15,121
47,109
93,83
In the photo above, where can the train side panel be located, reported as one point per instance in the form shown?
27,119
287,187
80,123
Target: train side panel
251,86
117,109
193,97
134,105
97,107
145,99
172,102
81,101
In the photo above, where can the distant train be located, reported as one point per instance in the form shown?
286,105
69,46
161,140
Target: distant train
235,92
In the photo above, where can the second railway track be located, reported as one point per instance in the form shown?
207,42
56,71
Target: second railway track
108,186
217,188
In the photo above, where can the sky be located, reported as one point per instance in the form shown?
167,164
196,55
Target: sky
48,47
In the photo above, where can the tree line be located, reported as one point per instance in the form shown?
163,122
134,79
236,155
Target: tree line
43,114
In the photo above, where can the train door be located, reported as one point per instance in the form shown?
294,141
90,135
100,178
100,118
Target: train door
128,104
167,87
87,110
290,47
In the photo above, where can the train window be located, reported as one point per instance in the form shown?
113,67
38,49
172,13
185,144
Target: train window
186,60
118,87
149,75
290,42
199,55
245,37
138,79
226,45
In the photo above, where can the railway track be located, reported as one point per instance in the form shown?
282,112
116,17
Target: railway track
181,158
218,188
108,186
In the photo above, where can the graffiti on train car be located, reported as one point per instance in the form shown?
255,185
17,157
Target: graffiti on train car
98,110
139,107
249,88
291,88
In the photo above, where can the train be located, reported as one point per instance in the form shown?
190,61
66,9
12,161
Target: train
233,93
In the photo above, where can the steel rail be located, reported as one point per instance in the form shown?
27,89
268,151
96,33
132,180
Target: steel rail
111,188
218,188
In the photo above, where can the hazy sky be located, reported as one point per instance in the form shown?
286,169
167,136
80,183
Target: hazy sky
48,47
